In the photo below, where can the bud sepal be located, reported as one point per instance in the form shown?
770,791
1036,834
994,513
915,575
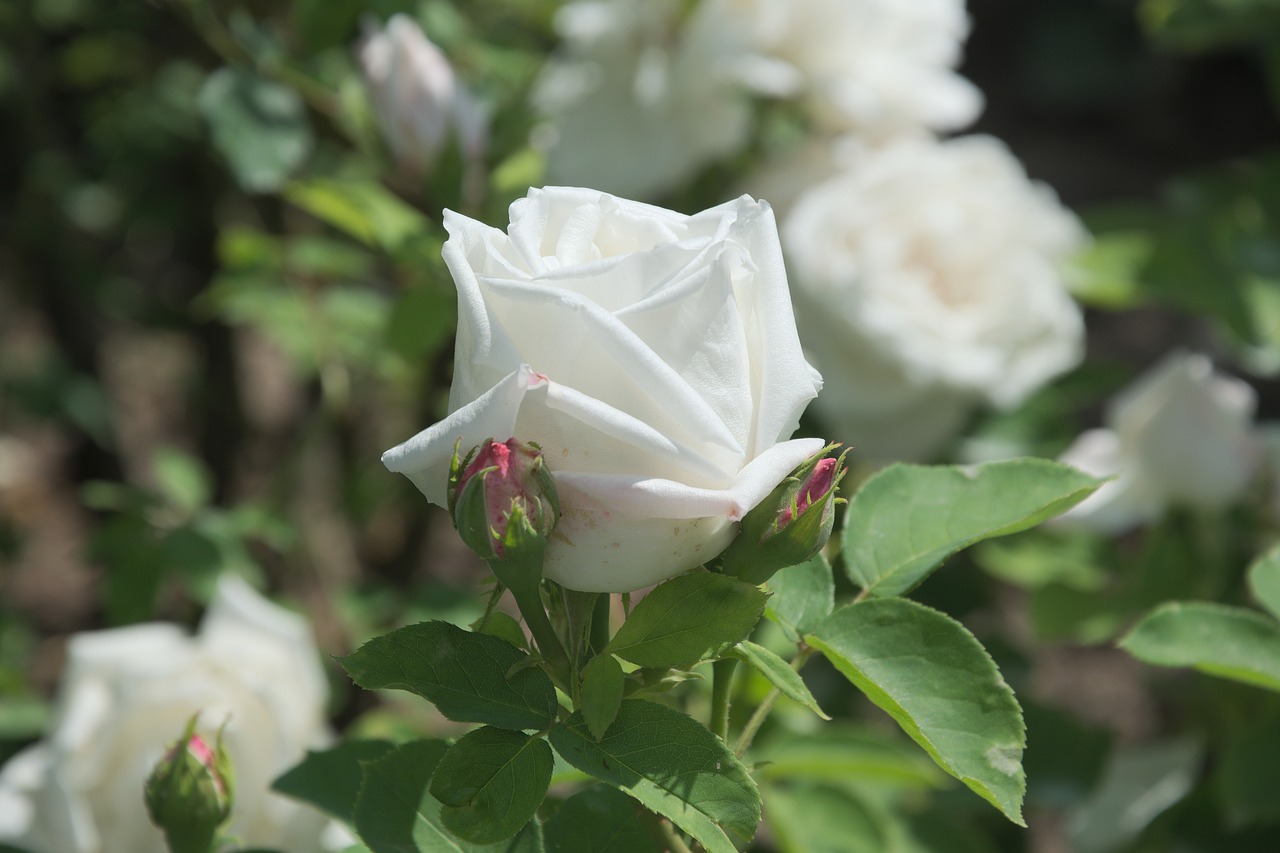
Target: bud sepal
792,524
190,793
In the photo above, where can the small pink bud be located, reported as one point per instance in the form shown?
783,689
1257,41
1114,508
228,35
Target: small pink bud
189,793
818,484
790,525
503,483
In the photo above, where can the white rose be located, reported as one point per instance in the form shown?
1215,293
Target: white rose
417,99
636,104
127,692
872,66
652,355
1180,435
927,282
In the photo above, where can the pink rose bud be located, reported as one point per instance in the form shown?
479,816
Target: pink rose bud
190,792
504,503
789,526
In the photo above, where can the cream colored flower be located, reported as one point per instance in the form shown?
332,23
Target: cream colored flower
1182,435
128,692
927,281
652,356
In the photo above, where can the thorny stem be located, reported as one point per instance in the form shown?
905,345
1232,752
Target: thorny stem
761,714
721,688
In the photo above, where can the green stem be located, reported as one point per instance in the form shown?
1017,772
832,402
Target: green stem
530,603
675,844
721,688
761,713
600,624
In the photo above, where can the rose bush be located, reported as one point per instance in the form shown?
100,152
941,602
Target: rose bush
1182,434
652,355
927,281
128,692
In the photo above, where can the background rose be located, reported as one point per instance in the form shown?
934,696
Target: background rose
1182,434
128,692
876,67
652,355
927,281
637,103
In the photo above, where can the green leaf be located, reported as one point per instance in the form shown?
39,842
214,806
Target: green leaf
1229,642
673,766
470,677
602,683
330,779
258,125
841,752
938,682
23,717
491,782
907,519
363,209
1264,580
802,597
817,818
1139,784
687,619
506,628
396,813
779,673
1246,775
602,818
182,479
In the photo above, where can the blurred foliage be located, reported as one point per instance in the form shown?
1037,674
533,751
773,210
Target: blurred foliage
220,300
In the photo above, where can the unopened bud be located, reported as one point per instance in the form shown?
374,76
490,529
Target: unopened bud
504,505
190,792
416,96
789,526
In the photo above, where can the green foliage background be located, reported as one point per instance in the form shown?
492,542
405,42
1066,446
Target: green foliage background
219,302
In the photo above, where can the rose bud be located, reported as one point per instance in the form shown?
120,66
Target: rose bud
190,792
418,101
504,502
789,526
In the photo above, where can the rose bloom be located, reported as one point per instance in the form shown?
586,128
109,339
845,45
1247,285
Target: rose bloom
635,102
127,693
418,101
654,358
1182,435
876,67
927,282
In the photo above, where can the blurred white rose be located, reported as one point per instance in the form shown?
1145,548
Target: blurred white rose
653,356
926,282
1181,435
637,102
417,99
128,692
876,67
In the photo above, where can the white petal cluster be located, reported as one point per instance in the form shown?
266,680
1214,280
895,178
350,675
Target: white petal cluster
128,692
638,102
652,356
1181,435
644,95
419,103
875,67
926,280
